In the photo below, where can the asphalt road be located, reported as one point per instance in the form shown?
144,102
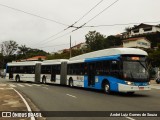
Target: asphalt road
63,98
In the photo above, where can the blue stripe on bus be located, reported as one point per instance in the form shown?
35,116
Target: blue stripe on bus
113,57
112,80
98,85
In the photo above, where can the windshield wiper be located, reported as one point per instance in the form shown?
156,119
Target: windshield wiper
143,65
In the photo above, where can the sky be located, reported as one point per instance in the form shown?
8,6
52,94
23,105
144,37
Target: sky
43,24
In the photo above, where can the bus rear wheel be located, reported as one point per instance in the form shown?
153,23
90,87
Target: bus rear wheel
106,87
71,83
17,79
44,80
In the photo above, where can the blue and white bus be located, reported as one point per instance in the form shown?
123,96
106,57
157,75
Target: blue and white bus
116,69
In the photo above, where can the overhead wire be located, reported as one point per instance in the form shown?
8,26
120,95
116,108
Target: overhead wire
55,45
72,25
96,15
34,15
88,20
68,26
88,12
120,24
102,11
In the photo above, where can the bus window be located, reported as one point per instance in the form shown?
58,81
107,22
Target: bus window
46,69
99,68
30,69
106,68
115,68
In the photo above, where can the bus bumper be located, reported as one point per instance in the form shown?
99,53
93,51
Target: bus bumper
132,88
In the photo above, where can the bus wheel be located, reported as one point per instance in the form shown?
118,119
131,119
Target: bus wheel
71,83
106,87
44,80
17,79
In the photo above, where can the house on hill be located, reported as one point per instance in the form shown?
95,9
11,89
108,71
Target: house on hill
141,29
140,42
76,47
79,46
144,29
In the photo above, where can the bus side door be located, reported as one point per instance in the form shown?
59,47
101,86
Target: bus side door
91,74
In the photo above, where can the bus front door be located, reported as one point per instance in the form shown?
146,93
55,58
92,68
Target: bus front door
91,74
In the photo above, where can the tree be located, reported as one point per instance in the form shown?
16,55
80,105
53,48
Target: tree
158,45
8,47
128,29
23,49
95,40
154,58
112,41
1,60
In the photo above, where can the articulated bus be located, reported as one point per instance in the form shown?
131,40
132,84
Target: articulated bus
115,69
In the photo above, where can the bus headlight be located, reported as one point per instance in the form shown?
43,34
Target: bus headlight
129,83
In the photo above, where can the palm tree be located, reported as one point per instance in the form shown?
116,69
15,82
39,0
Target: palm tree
23,50
128,29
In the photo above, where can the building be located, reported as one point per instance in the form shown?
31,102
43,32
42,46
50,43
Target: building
140,30
140,42
144,29
63,51
79,46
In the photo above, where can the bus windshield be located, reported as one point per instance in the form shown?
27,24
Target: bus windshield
135,71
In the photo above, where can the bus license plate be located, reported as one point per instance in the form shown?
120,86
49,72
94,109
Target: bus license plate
141,88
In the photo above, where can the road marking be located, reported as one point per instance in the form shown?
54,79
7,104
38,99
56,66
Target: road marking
12,85
130,118
3,84
37,85
45,88
71,95
20,85
28,85
5,88
25,102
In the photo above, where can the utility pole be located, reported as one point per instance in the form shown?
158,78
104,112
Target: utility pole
70,48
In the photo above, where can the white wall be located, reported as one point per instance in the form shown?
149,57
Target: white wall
141,31
141,43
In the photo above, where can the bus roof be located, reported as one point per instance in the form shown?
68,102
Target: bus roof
56,61
110,52
75,61
28,63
